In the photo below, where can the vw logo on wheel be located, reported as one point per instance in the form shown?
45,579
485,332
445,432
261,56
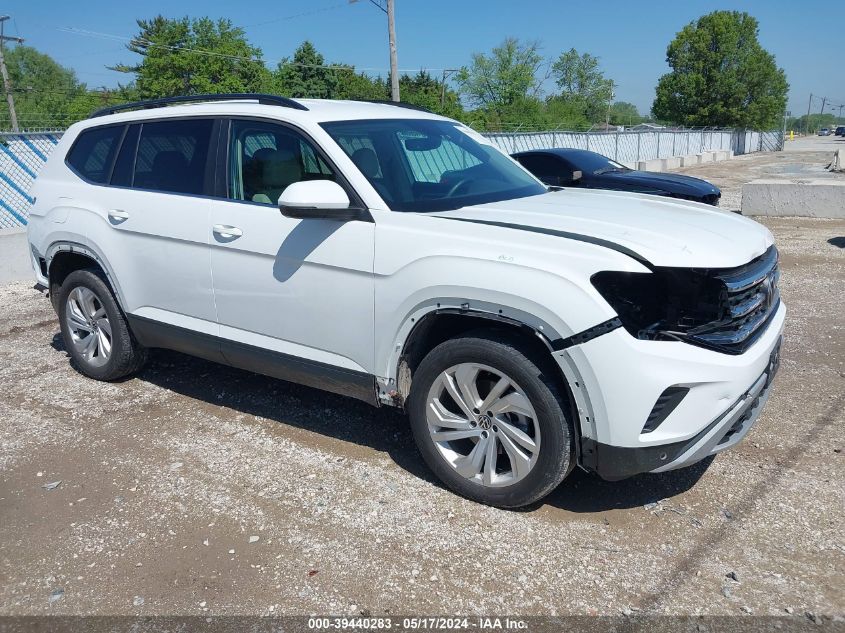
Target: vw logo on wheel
484,422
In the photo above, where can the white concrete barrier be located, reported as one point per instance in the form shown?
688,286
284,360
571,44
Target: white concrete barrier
650,165
689,161
705,157
670,163
14,256
808,198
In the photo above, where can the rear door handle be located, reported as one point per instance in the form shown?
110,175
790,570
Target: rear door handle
226,231
117,216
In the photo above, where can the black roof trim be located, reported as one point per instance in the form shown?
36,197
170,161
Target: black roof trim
398,104
263,99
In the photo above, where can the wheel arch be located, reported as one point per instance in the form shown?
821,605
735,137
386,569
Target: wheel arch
443,323
65,257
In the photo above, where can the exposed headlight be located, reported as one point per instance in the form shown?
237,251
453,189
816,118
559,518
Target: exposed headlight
657,304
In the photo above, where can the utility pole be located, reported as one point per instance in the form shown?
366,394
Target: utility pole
391,35
7,84
821,111
394,64
807,122
607,116
446,73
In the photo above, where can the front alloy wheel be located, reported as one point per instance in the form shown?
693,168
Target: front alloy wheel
490,419
483,424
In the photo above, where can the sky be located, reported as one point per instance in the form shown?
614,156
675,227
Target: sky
629,38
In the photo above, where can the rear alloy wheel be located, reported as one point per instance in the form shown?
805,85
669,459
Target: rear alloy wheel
89,326
94,329
489,421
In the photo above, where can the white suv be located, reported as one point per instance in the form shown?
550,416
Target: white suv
525,329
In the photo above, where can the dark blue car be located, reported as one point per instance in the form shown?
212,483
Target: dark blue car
581,168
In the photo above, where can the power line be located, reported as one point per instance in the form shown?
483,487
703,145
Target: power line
302,15
198,51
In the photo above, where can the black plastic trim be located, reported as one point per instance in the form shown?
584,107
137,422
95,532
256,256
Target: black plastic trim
263,99
565,234
346,382
587,335
398,104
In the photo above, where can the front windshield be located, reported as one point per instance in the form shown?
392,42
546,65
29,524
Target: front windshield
430,165
592,163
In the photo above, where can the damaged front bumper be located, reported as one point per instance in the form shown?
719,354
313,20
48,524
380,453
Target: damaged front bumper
616,462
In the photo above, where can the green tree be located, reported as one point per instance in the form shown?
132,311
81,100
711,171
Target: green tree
813,123
506,76
721,76
306,75
582,83
47,94
624,113
360,86
194,56
431,93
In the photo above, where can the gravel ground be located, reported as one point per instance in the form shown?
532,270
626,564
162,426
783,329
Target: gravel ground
197,489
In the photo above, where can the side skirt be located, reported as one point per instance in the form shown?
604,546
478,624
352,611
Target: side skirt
346,382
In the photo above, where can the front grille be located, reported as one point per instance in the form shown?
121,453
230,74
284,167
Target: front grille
750,299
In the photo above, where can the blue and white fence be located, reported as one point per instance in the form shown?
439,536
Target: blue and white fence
21,158
23,155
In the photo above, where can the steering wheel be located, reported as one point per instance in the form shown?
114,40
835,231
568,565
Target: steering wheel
454,188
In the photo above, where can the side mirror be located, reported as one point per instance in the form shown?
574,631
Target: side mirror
576,175
324,199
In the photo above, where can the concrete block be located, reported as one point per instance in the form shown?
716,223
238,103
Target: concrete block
801,198
14,256
650,165
688,161
721,154
705,157
670,163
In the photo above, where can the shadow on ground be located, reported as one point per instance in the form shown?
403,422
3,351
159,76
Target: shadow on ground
382,429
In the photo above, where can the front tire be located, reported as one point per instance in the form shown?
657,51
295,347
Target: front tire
95,331
488,417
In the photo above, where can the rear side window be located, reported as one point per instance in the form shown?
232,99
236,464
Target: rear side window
93,152
172,156
543,165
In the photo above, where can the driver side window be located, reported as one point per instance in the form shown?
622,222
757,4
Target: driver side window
266,158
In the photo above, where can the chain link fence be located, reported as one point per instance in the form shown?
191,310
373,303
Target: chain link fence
23,155
632,146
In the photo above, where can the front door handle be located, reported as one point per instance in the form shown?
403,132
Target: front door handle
227,232
117,216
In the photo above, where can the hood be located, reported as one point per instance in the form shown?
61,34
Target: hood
662,231
671,183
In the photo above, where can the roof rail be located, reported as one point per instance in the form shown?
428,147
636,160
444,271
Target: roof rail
263,99
398,104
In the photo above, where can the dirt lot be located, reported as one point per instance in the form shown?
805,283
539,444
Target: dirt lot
197,489
802,158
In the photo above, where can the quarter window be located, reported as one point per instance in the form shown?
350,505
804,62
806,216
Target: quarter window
93,152
173,155
265,158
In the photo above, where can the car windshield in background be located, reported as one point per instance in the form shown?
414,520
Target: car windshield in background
592,163
427,165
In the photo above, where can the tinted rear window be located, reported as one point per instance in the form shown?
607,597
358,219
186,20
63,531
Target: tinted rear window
93,152
172,156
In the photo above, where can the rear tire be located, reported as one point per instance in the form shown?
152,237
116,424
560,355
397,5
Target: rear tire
487,391
94,329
